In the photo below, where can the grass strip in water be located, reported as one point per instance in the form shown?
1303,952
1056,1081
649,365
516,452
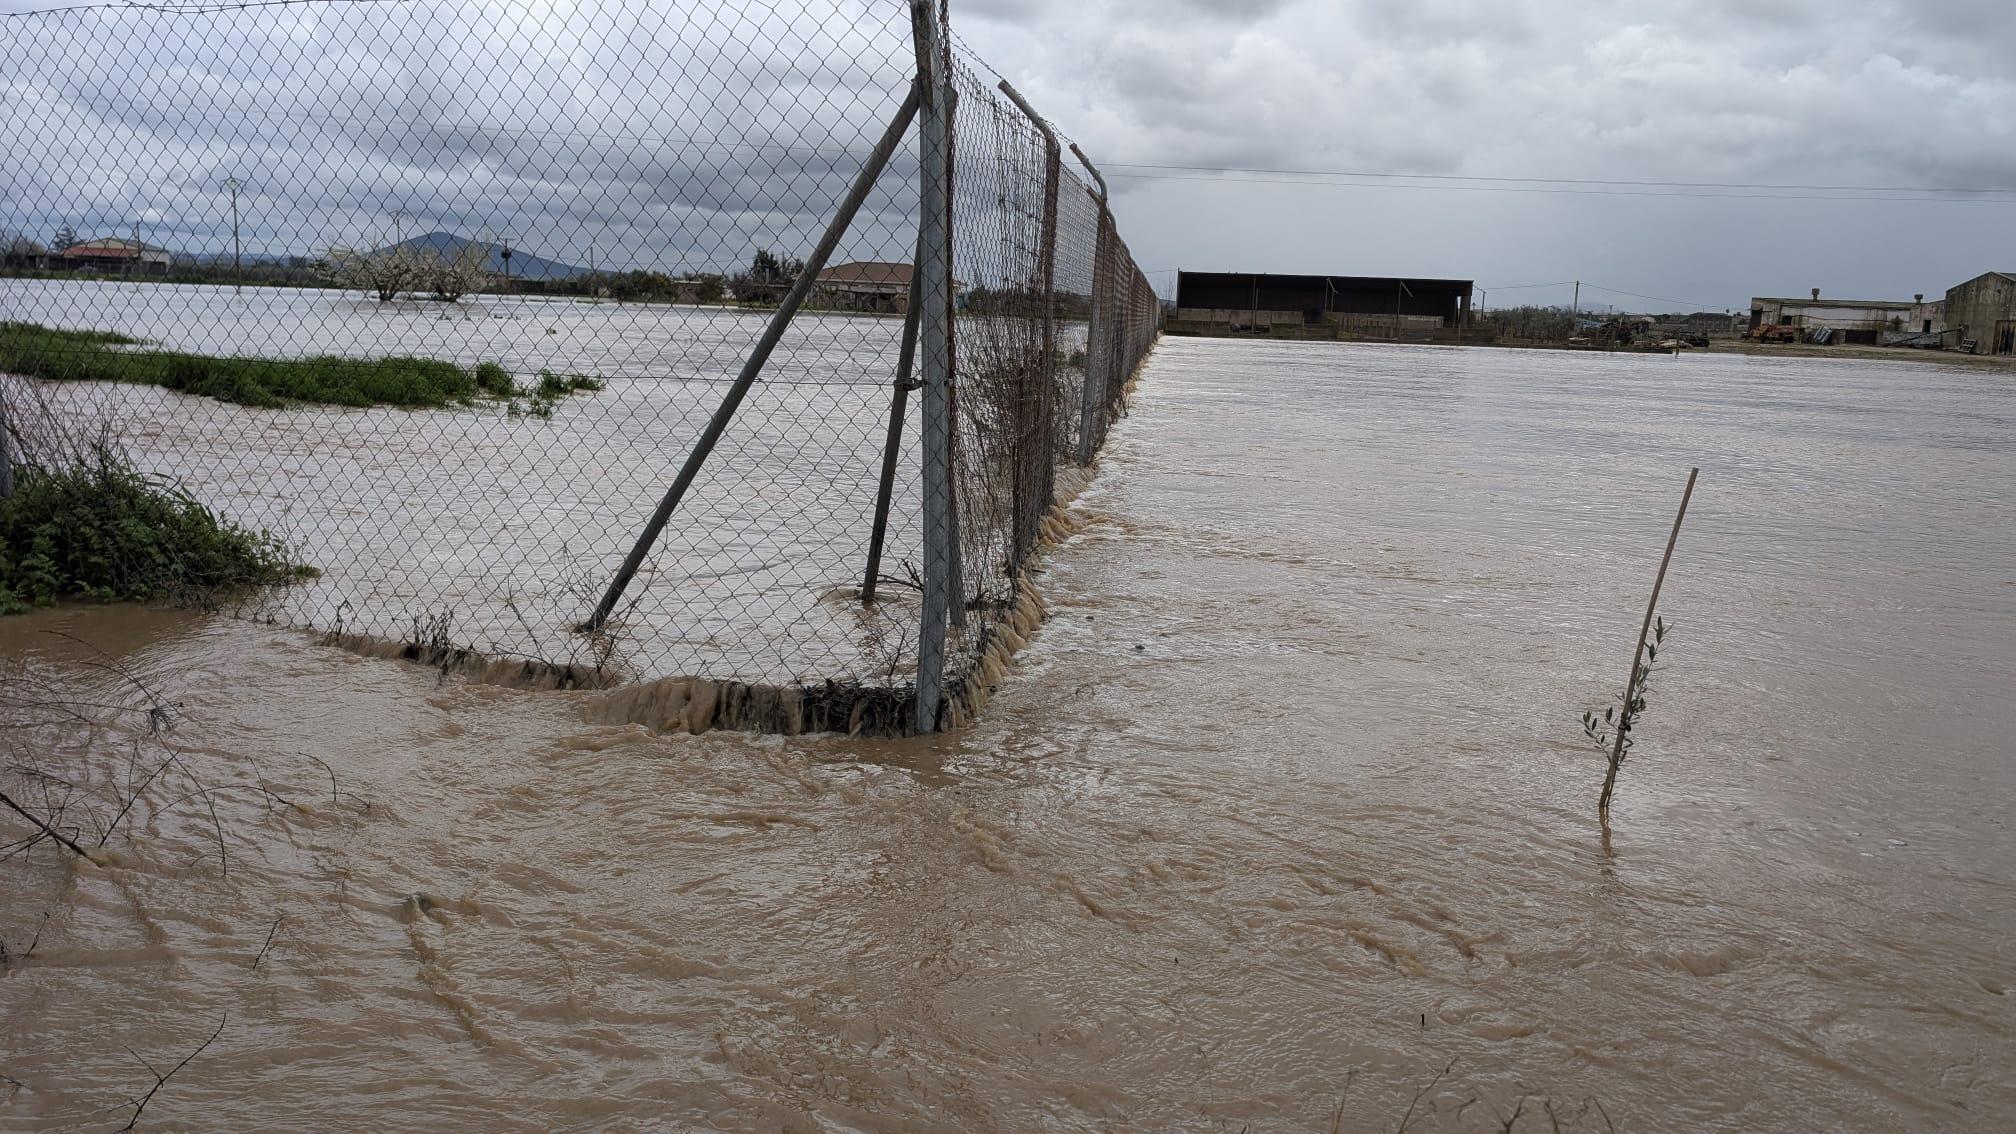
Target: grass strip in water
34,351
102,531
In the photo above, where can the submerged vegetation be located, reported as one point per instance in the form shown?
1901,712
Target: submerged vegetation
539,400
98,529
35,351
1612,733
1614,729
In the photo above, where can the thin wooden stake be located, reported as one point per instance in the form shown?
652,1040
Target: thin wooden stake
1617,749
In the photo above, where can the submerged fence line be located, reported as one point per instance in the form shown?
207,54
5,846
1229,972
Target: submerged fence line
741,353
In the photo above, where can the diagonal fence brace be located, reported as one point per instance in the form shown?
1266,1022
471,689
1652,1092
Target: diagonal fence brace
878,160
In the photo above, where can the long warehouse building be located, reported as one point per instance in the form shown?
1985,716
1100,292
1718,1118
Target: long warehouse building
1258,303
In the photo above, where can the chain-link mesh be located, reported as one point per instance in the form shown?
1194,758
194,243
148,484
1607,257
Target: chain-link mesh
446,295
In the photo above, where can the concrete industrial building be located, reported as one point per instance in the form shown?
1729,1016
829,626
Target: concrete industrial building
1857,320
1285,306
1981,314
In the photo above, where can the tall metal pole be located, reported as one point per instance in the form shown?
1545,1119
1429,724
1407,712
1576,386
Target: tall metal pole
934,271
1575,311
878,159
237,249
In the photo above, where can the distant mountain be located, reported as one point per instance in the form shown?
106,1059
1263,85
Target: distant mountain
524,265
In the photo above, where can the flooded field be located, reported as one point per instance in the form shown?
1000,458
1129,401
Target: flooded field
508,526
1284,824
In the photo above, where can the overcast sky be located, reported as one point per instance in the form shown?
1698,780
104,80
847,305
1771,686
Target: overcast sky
1843,93
1807,92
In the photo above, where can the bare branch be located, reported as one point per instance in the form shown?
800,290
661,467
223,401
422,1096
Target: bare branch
269,942
1407,1119
46,829
160,1080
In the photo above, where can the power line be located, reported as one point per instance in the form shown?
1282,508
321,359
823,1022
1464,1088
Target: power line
1565,192
1698,306
1562,180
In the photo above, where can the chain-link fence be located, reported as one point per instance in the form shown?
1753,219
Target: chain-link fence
578,339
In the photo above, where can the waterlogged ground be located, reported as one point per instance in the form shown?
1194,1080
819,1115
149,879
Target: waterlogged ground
502,529
1286,812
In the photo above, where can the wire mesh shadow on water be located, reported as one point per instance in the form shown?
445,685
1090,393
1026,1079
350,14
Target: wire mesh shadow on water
734,354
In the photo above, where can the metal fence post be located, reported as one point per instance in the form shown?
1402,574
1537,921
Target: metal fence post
1098,350
1029,513
753,366
956,552
6,453
934,269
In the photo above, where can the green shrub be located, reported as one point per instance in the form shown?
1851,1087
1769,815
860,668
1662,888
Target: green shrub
103,531
494,379
36,351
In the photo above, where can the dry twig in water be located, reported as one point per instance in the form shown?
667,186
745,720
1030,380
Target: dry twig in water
161,1080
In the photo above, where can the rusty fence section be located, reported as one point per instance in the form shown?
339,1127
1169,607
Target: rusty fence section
732,355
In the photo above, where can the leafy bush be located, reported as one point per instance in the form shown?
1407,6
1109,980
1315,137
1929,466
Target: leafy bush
103,531
494,379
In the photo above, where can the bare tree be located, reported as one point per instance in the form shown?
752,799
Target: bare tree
452,277
384,273
19,249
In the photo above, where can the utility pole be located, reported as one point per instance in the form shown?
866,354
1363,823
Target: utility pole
504,247
136,250
399,226
1575,311
237,251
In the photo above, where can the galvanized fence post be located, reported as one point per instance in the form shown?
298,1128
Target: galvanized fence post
934,332
1043,485
1098,348
956,554
6,452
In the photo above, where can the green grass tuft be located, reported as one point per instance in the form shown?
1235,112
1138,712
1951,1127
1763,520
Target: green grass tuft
102,531
35,351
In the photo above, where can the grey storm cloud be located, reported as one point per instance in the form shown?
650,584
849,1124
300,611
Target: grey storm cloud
678,135
1804,92
668,136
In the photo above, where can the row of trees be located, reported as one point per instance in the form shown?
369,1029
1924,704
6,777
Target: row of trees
1529,322
387,272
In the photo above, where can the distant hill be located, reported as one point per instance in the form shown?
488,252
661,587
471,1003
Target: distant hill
524,265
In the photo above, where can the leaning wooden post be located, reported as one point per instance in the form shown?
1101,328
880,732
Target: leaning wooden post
1623,718
878,159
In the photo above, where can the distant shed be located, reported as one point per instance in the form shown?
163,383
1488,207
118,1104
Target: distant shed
1247,301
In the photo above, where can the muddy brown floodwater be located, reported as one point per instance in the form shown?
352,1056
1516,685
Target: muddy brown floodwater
1285,812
